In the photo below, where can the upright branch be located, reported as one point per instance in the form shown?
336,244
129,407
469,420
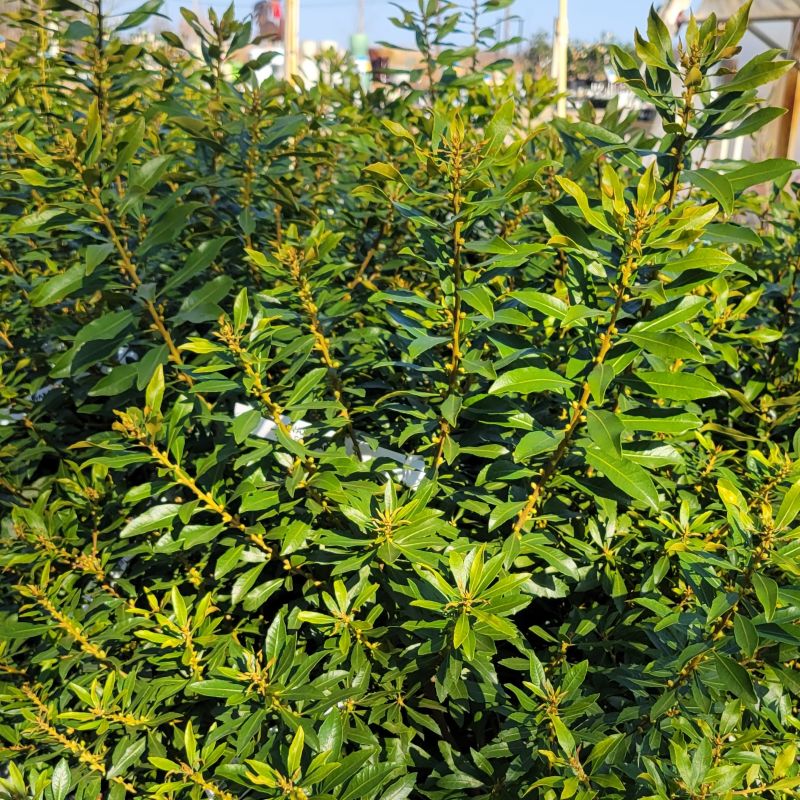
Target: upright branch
232,340
251,170
43,46
457,315
292,258
127,264
691,78
627,274
99,63
128,268
133,426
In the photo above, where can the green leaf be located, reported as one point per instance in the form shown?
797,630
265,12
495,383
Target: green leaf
546,304
108,326
480,298
789,508
705,258
202,304
34,222
670,314
190,744
400,789
556,559
61,781
387,171
565,739
728,233
715,184
241,310
368,780
746,635
594,218
155,390
228,561
605,430
154,518
669,346
126,755
527,380
537,442
217,688
57,288
95,255
305,385
760,172
119,380
735,678
197,261
679,385
295,751
756,72
599,380
139,15
260,594
767,594
396,129
754,122
245,424
244,583
499,126
164,764
421,344
626,475
660,420
461,631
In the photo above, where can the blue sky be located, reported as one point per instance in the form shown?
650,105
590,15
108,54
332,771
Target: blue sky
336,19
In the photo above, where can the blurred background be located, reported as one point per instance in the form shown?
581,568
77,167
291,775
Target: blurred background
567,41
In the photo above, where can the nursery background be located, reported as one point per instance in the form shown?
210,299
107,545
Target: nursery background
429,434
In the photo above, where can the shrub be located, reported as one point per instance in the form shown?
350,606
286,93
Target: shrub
397,443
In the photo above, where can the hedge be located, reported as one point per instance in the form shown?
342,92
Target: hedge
395,443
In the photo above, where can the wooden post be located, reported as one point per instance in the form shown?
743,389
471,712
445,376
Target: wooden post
560,57
291,39
787,95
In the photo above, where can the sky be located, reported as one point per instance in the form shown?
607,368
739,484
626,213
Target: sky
337,19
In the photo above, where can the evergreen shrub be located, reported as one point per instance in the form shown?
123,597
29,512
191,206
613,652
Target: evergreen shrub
401,443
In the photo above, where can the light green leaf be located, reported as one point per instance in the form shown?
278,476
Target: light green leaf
537,442
61,780
546,304
670,314
295,751
790,507
126,757
527,380
480,298
715,184
154,518
461,630
595,218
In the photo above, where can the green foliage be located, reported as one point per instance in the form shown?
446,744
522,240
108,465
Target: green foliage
392,444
